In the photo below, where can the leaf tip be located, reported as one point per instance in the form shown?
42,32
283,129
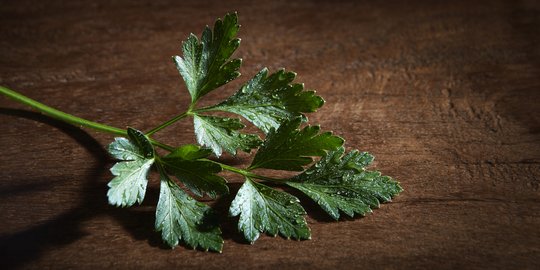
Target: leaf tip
320,101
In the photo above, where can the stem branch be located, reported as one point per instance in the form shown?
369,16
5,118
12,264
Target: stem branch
169,122
245,173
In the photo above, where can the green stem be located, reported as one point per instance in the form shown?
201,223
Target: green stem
54,113
204,109
245,173
161,145
74,120
169,122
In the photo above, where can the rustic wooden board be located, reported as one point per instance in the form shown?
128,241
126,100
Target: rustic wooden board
445,94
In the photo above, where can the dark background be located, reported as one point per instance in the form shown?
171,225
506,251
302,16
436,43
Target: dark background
445,94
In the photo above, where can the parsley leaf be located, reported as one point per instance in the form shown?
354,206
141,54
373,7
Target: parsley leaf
289,148
339,182
220,133
267,101
200,176
137,156
178,216
205,64
190,152
263,209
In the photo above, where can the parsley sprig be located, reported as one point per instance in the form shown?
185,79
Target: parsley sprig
338,181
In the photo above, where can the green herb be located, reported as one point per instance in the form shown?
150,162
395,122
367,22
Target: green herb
338,182
267,101
288,148
137,156
199,175
263,209
221,133
180,217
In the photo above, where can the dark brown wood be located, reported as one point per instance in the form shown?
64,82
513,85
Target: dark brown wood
446,95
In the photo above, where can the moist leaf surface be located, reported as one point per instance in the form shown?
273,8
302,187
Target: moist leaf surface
221,133
290,148
267,101
340,183
180,217
205,64
263,209
136,156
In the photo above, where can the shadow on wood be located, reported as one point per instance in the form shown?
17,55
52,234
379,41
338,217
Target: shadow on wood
27,245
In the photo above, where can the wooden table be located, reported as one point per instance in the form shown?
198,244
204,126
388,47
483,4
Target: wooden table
445,94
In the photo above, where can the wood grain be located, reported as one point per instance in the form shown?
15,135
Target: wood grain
445,94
